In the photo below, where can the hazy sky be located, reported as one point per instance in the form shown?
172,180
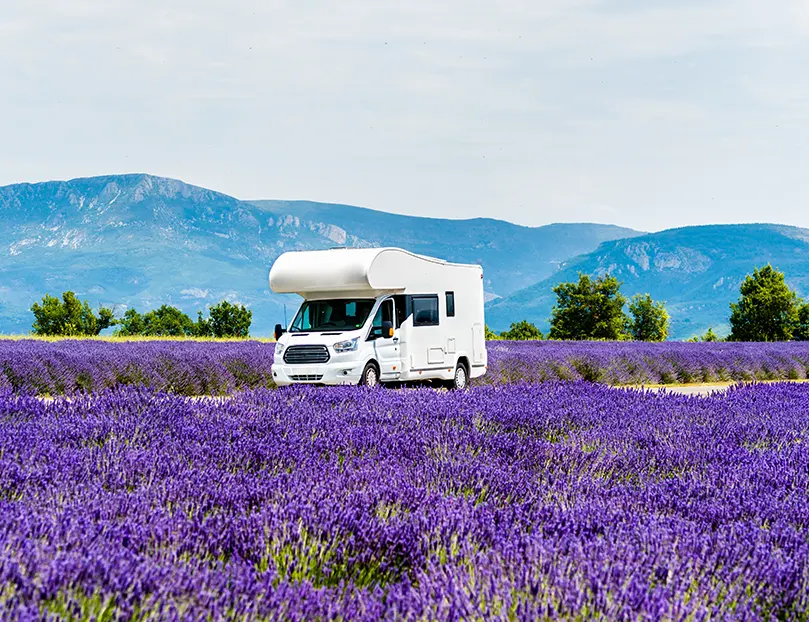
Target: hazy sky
644,113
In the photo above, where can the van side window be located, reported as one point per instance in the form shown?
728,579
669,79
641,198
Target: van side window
425,310
402,305
450,304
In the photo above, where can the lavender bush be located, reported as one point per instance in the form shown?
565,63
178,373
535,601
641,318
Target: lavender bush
630,362
186,367
217,368
562,500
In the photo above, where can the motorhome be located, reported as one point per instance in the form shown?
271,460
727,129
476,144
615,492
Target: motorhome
379,315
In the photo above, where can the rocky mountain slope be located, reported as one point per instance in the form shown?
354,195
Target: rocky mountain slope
696,270
512,256
139,240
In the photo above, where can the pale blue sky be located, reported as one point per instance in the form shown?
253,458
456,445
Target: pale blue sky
648,114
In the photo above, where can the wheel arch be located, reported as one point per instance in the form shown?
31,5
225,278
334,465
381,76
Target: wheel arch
372,362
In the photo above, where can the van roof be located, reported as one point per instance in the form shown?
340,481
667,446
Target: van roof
350,270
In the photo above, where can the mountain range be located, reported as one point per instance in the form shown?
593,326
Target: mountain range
696,271
141,241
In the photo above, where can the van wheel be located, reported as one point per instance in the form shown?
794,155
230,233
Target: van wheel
461,379
370,375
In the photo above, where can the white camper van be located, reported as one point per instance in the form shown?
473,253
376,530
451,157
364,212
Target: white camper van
376,315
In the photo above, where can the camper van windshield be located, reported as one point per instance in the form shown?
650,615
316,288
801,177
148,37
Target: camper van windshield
341,314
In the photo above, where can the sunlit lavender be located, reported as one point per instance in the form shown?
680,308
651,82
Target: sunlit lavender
71,366
220,368
525,502
635,363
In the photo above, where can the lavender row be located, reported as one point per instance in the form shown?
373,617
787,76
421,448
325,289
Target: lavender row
636,363
70,366
217,368
562,500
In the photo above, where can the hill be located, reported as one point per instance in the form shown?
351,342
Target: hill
139,240
697,271
513,257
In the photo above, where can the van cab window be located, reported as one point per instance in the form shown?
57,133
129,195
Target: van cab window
425,310
383,314
338,314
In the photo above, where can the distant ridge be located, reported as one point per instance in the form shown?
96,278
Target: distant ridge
512,255
697,271
138,240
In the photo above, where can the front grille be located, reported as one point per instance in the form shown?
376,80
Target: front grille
304,355
306,377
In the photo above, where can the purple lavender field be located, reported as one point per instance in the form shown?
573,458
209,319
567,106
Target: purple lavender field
218,368
559,500
635,363
71,366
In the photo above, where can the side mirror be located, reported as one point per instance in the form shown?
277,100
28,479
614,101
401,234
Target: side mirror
279,330
387,329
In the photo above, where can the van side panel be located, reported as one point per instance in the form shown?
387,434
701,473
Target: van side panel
434,351
478,345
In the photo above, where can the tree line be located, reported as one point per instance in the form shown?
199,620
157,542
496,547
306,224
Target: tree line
70,316
593,308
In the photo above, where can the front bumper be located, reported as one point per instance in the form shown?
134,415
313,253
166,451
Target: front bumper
329,373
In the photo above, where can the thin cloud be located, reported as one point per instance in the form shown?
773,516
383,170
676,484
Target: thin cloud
674,113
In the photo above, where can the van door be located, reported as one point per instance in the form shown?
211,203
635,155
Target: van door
428,340
386,349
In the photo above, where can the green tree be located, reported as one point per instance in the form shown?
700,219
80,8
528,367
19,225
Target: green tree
710,336
68,317
167,321
490,334
802,330
522,331
202,327
106,318
650,320
131,324
589,309
767,309
227,320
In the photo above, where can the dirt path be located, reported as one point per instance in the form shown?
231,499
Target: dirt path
702,389
699,389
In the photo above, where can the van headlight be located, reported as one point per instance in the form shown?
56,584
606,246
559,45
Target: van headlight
279,349
347,346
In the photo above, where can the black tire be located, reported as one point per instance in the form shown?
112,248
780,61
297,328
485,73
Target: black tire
370,375
460,381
